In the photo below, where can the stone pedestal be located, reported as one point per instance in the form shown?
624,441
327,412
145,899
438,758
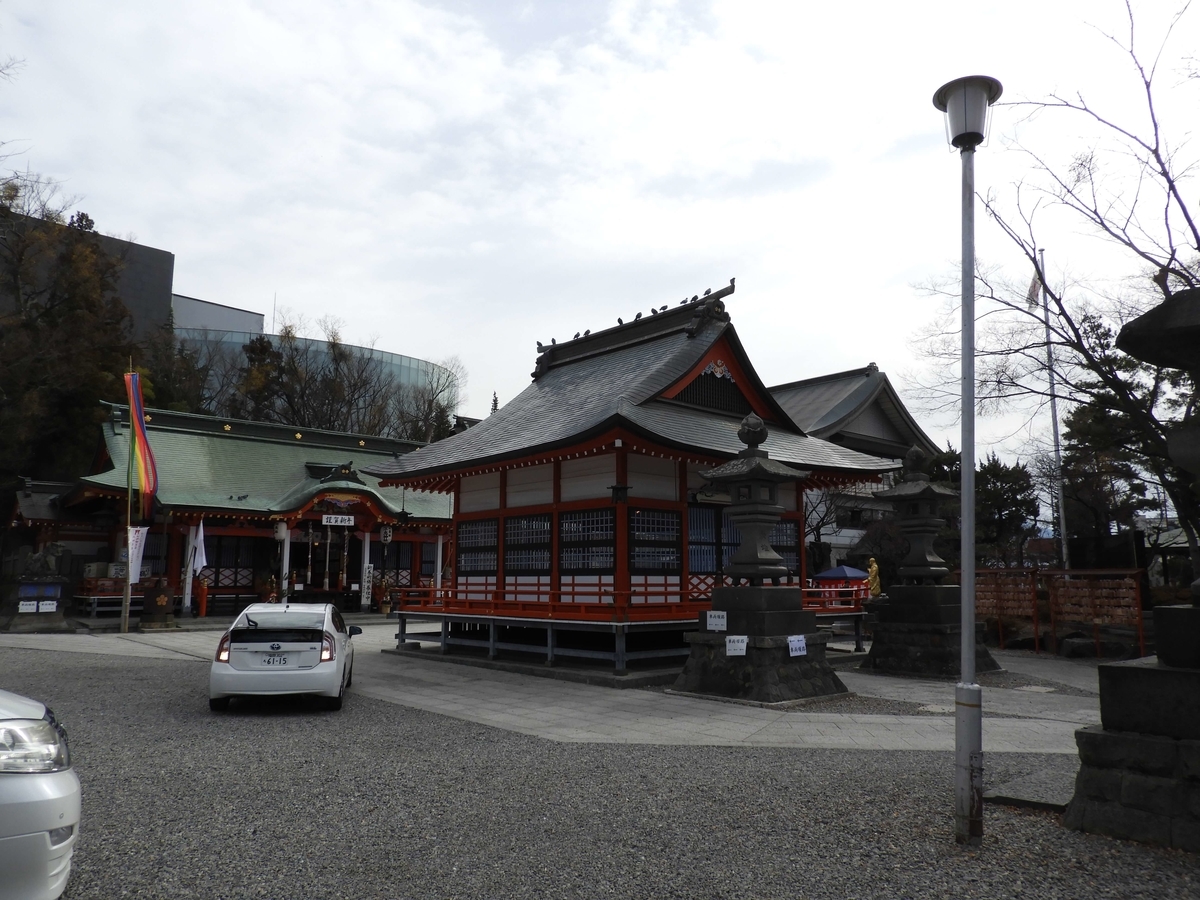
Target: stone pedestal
918,632
1139,774
768,673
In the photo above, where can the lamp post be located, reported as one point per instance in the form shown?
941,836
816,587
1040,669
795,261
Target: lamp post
966,101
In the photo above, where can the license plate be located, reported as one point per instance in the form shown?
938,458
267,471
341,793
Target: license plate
274,659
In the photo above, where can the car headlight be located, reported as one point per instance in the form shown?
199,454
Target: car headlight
32,745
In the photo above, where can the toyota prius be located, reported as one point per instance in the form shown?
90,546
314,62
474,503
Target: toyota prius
273,650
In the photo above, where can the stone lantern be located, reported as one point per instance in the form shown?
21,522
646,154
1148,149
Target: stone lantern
752,481
758,644
1169,336
916,500
1138,765
918,629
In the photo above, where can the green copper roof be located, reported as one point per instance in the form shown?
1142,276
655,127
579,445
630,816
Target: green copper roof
258,469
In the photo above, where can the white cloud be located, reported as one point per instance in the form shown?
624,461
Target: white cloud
471,176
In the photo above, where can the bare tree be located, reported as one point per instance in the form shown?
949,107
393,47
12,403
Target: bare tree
425,411
1129,189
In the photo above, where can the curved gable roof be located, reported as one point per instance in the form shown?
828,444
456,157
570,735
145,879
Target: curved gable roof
858,407
255,468
615,377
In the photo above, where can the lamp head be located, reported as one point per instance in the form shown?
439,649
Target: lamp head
966,101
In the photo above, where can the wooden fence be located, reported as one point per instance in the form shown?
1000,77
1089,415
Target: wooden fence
1095,597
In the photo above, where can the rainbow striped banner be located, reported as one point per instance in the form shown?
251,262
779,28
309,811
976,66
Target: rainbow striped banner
139,447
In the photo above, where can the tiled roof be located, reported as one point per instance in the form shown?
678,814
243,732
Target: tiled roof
829,404
588,385
254,468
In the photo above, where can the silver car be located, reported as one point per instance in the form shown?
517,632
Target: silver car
293,648
39,801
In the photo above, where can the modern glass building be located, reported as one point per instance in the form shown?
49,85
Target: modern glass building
202,322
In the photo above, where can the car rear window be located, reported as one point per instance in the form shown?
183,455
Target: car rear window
275,635
271,619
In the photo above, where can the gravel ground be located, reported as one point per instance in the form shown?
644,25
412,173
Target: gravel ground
283,801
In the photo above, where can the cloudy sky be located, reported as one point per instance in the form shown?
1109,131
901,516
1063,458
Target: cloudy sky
470,176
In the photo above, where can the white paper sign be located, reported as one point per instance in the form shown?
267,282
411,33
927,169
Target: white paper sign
27,606
797,646
717,620
298,586
47,606
337,520
735,645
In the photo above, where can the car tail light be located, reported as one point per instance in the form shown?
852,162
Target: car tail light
223,649
328,648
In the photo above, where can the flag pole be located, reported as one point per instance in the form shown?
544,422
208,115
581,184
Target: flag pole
1058,476
128,592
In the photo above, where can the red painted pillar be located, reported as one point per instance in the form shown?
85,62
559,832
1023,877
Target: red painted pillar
621,549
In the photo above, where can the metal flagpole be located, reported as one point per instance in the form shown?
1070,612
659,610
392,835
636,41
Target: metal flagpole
1058,477
128,592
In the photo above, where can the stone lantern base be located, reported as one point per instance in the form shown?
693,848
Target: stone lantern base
918,632
1139,774
768,673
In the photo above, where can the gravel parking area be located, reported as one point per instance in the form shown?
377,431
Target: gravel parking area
281,800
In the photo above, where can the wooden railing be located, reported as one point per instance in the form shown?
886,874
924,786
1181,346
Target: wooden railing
597,603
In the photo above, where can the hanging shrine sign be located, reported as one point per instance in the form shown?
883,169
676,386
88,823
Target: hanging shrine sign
328,519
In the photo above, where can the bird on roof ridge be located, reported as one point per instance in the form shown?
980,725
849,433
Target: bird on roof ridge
663,308
707,291
638,316
586,333
619,321
553,341
539,345
653,311
576,336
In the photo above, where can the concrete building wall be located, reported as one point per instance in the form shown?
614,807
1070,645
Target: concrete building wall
144,285
191,312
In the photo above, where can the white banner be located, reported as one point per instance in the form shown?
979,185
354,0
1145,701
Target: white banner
137,544
199,558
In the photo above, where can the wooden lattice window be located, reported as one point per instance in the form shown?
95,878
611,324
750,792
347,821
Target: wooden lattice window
527,541
654,541
477,548
587,542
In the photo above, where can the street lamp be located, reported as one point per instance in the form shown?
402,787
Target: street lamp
966,101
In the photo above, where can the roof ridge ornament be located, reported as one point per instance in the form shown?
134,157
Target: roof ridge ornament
710,308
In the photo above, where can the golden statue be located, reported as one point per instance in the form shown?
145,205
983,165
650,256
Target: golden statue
873,577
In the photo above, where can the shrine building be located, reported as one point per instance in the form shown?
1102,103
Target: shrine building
582,521
285,510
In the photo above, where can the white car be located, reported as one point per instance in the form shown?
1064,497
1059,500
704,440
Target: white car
39,801
292,648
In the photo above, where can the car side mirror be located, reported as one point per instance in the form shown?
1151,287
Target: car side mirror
354,629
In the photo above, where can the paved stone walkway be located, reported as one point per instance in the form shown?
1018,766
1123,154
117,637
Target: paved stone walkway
562,711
